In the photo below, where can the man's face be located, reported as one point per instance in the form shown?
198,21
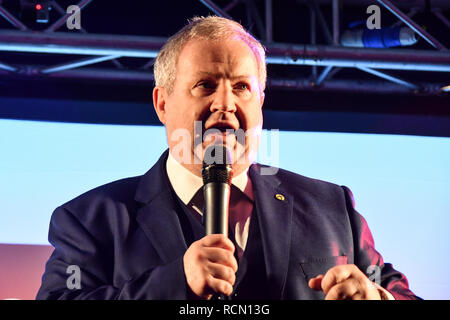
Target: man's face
216,84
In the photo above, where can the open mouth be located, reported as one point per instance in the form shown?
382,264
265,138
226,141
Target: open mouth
221,133
222,130
222,126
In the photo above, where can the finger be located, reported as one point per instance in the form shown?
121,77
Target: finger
218,240
315,283
358,296
343,291
219,286
364,292
222,272
368,290
221,256
337,275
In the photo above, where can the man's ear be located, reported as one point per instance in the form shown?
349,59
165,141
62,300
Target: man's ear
159,103
261,98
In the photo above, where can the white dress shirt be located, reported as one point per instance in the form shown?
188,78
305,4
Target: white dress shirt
186,185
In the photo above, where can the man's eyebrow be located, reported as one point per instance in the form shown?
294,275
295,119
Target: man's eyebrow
217,75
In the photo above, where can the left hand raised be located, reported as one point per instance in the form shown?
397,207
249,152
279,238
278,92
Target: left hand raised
345,282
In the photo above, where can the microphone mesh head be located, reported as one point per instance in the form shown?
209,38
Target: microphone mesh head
217,165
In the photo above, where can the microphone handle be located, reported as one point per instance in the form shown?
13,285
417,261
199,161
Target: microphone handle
217,199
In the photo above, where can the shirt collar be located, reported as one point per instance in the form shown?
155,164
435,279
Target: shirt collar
186,184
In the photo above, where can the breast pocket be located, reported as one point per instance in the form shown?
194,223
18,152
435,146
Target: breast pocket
314,267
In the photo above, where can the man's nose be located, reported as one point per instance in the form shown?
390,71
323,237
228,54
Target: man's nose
223,100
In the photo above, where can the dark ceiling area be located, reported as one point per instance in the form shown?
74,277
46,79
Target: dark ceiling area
291,87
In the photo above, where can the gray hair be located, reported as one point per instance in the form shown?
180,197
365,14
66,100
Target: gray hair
210,28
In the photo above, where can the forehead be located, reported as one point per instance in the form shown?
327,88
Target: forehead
212,56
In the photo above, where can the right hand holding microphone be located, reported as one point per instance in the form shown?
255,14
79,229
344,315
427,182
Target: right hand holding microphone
210,266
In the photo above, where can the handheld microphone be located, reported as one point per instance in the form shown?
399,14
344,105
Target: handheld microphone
216,173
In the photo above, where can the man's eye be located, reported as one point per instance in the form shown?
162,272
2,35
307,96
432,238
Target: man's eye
206,85
241,86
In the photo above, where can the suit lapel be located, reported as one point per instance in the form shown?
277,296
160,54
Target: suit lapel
274,207
158,217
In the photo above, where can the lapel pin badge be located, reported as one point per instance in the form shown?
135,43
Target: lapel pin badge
280,197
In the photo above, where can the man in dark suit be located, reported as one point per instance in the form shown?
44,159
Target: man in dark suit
291,237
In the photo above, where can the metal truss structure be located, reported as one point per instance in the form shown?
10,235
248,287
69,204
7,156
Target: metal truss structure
330,58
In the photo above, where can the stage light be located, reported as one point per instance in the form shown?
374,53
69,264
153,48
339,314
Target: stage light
42,11
36,11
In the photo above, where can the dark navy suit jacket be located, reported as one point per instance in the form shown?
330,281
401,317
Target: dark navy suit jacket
128,243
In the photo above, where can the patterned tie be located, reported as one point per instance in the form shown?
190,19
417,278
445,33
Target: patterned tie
240,211
241,208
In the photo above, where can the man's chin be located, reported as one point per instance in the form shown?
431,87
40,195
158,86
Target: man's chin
236,151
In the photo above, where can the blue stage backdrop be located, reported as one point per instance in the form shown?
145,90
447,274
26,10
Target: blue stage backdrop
400,183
